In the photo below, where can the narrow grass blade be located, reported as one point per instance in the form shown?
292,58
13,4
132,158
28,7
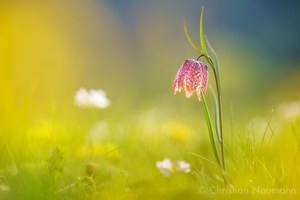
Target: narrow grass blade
216,61
202,40
10,153
216,113
202,157
266,130
209,127
190,40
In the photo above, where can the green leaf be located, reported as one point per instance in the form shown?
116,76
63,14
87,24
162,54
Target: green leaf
216,61
202,40
209,127
216,112
190,40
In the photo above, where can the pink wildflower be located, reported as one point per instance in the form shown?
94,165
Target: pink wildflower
193,75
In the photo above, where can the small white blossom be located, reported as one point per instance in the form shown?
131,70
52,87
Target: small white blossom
183,166
91,98
165,167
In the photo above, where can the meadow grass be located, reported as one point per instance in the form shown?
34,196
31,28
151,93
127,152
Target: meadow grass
88,157
59,151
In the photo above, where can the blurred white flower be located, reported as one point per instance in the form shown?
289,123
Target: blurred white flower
91,98
165,167
289,110
183,166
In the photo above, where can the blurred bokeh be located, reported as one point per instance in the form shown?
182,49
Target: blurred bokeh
132,50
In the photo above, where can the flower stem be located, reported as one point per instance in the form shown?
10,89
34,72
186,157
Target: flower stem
200,56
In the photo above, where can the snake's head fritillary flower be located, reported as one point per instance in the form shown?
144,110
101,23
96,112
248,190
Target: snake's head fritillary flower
192,76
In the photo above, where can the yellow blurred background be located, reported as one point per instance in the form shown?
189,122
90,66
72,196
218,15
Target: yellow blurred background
132,50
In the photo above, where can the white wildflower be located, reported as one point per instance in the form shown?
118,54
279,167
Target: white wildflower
183,166
165,167
91,98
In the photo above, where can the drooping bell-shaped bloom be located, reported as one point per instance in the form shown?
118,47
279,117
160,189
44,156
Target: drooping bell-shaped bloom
192,76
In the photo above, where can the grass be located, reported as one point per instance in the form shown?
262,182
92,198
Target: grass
58,151
83,158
